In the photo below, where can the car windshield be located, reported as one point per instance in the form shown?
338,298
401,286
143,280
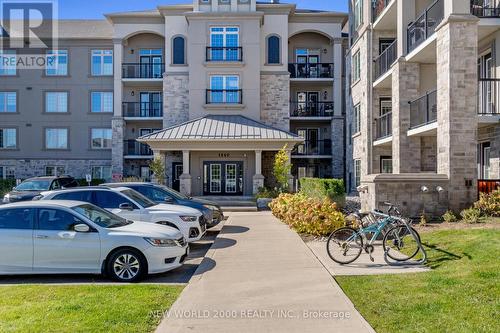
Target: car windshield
174,193
34,185
100,216
139,198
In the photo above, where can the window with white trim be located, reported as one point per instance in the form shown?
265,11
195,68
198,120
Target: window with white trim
101,101
7,172
8,63
54,171
385,164
357,172
57,63
224,42
56,138
101,172
8,101
8,138
225,89
357,118
56,102
356,67
102,62
358,13
100,138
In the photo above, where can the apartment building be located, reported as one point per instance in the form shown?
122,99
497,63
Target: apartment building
423,106
214,88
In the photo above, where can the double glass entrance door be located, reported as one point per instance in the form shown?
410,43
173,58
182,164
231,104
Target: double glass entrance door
223,178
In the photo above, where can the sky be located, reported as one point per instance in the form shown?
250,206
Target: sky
94,9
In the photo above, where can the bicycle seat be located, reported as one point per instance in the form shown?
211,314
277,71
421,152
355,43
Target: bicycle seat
387,203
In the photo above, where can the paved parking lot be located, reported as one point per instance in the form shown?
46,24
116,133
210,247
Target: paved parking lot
182,274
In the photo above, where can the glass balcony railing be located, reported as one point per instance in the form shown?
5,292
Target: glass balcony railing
384,126
378,7
143,71
311,109
385,60
311,70
143,110
485,8
423,110
313,148
134,148
425,25
489,97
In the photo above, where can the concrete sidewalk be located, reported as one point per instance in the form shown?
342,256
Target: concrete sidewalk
260,277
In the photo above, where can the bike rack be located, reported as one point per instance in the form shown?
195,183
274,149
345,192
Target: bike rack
409,262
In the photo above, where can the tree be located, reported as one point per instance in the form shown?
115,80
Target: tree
157,167
282,169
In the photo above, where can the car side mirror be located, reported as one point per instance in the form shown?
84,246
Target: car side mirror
169,200
13,188
81,228
126,206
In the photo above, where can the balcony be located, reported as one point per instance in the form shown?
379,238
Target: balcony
224,54
489,97
311,109
311,70
378,7
384,126
385,60
313,148
425,25
143,71
482,8
135,150
142,110
423,112
224,96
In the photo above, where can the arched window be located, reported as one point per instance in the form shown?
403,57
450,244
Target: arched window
179,51
273,50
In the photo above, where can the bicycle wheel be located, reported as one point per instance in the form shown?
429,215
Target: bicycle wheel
344,245
400,244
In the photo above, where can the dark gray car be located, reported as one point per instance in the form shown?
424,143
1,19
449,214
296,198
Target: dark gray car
32,187
164,194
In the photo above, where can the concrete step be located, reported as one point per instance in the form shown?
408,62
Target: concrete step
233,209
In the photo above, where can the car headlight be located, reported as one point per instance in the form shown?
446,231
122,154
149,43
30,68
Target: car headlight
6,198
189,218
211,207
161,242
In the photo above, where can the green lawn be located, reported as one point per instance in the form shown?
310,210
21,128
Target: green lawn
460,294
87,308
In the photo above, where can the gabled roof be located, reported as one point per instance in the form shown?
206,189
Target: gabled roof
221,127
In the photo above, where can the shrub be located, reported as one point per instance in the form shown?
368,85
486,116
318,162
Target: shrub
281,169
6,186
489,204
333,189
307,215
266,193
449,217
470,215
157,167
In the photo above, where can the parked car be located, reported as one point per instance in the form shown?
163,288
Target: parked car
132,205
71,237
163,194
32,187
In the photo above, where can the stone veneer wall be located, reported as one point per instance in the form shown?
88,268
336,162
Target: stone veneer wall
428,157
175,99
275,100
491,134
34,168
338,150
117,150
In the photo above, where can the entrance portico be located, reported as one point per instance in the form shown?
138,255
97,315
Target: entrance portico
221,155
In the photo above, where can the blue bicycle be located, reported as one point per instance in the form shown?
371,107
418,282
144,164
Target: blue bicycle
400,242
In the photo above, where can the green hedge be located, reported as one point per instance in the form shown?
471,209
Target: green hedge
333,189
6,186
94,182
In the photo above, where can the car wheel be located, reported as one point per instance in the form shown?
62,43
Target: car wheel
126,265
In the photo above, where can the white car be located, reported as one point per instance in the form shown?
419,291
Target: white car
132,205
71,237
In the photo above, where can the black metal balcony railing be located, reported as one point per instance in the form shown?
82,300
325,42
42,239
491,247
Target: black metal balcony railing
385,60
311,109
489,96
313,148
384,126
226,53
425,25
224,96
311,70
423,110
378,7
142,71
134,148
143,110
483,8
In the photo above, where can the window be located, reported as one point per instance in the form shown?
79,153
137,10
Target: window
101,172
8,101
357,172
224,89
100,138
102,62
357,118
52,171
358,13
386,164
102,101
56,138
356,67
8,138
224,43
273,50
57,63
178,51
56,102
385,105
484,163
8,63
84,196
19,218
153,193
56,219
7,172
110,200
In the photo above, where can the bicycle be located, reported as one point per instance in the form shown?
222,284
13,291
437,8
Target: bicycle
400,241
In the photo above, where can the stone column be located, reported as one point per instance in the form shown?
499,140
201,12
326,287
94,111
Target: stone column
405,88
337,77
258,178
175,98
117,122
457,107
185,178
275,100
405,15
